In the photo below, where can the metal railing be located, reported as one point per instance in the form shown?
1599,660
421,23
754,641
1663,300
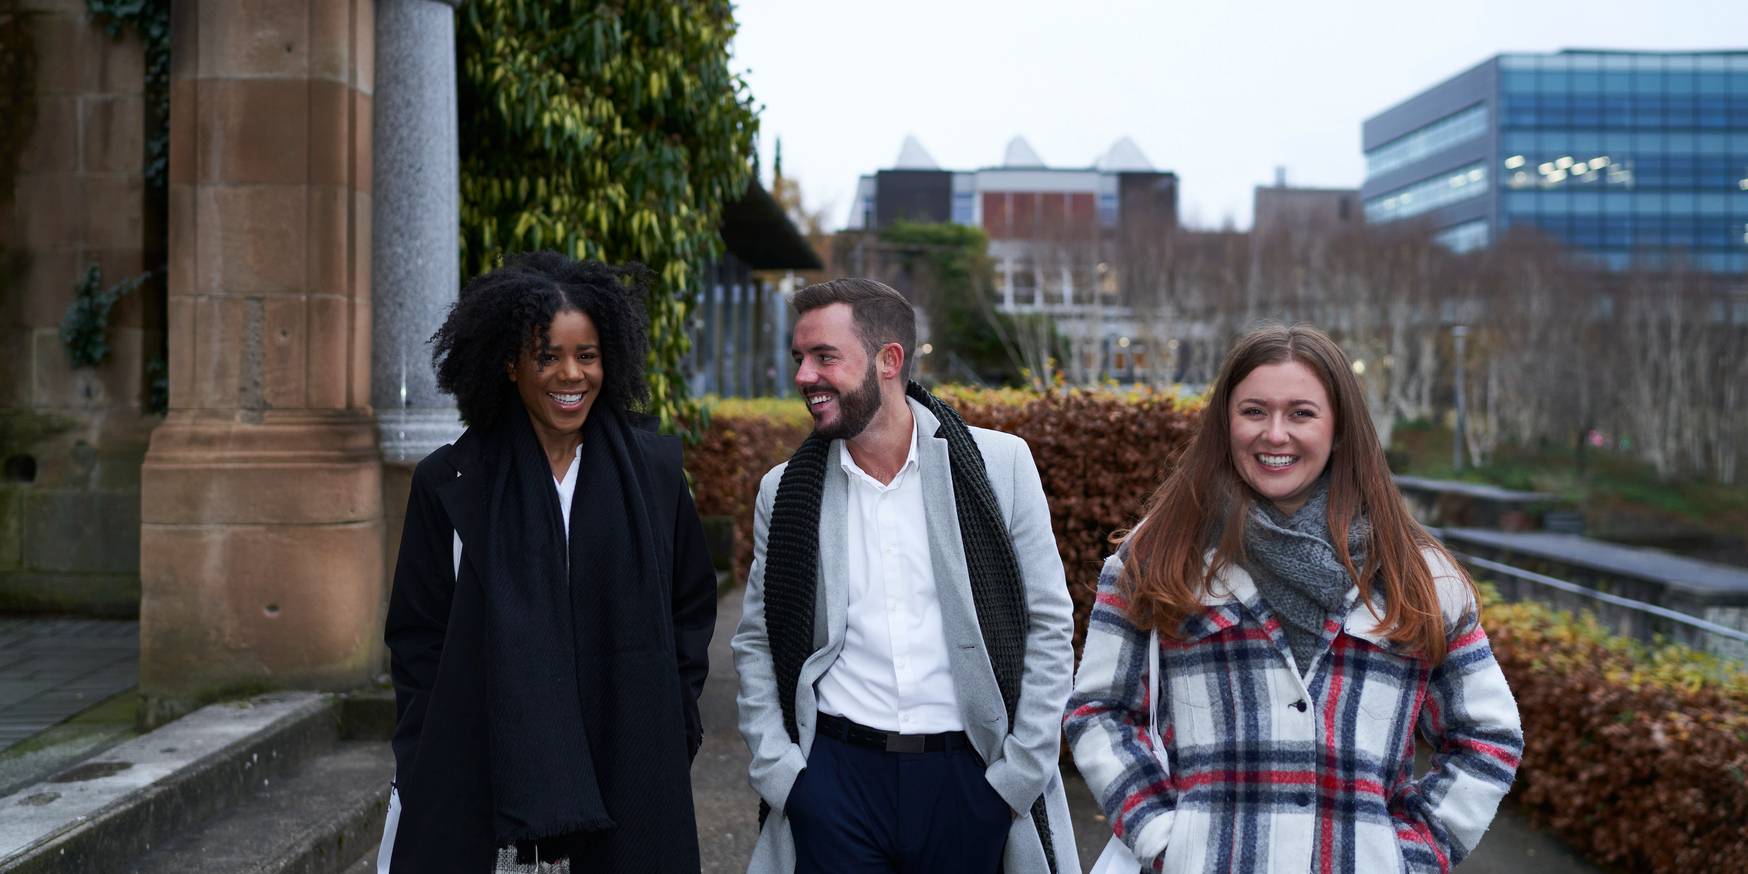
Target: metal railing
1663,613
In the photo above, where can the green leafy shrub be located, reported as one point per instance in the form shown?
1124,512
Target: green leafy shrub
1635,755
604,130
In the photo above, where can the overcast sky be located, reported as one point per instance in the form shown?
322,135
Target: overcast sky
1218,91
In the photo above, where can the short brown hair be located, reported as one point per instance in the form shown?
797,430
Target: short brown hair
882,315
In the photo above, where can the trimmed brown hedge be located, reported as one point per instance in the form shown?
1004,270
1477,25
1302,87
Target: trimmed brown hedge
1100,455
1636,756
743,440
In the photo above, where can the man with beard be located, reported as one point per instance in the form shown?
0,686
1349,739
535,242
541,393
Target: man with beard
904,650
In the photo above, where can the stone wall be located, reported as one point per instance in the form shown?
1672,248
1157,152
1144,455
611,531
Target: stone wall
72,439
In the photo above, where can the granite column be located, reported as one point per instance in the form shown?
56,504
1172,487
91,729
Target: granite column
416,260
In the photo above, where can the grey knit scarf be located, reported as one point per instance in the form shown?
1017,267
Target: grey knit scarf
998,592
1296,569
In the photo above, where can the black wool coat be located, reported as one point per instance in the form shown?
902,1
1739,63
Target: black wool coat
640,706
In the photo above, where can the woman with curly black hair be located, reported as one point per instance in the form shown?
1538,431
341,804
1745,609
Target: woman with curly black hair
553,598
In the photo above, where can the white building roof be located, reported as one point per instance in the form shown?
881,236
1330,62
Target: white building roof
912,156
1123,156
1020,154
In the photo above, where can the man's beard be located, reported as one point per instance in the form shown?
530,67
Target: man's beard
855,410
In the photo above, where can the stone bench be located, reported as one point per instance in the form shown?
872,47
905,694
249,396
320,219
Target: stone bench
1471,505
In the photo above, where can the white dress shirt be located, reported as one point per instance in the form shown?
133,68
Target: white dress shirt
893,673
567,487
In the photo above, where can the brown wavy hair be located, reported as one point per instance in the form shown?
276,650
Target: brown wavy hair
1203,503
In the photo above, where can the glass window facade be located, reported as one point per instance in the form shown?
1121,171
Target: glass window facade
1428,194
964,208
1465,237
1107,200
1639,159
1451,130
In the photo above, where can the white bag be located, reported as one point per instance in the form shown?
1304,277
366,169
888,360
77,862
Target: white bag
1117,857
392,823
389,827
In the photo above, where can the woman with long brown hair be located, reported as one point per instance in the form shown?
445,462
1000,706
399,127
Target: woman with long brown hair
1306,627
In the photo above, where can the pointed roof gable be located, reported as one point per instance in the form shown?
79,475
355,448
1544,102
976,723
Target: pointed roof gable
912,156
1020,154
1124,156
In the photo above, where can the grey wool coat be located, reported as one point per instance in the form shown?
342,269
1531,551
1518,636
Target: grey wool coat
1022,763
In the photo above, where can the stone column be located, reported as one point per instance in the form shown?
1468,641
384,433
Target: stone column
415,248
416,243
261,505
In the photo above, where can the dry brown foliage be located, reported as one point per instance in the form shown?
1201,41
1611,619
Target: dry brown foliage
1636,756
1099,454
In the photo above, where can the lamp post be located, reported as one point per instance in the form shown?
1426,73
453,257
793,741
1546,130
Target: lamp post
1459,337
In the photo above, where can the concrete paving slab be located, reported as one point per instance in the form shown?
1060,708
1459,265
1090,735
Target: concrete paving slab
53,668
94,730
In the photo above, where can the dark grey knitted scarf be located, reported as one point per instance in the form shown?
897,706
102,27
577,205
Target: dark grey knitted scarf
997,590
1296,569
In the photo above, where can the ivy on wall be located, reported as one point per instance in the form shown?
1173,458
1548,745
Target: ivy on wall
150,19
605,130
85,327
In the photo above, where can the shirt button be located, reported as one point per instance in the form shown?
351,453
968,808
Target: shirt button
1299,705
1303,799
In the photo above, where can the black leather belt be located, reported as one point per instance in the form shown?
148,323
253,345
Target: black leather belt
856,734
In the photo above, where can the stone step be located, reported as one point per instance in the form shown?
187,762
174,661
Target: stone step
319,819
366,863
107,812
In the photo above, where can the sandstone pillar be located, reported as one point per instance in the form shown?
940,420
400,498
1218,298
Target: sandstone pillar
416,259
261,537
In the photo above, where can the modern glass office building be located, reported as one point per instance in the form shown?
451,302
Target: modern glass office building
1633,158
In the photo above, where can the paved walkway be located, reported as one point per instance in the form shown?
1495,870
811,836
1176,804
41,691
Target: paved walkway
728,809
51,669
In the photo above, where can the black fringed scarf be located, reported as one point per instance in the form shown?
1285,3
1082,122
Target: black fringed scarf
546,609
997,590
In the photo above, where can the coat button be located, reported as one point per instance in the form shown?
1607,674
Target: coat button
1299,705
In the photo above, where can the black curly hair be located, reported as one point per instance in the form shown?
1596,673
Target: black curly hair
501,313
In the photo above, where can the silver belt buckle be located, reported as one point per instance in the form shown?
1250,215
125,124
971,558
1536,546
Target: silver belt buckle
905,743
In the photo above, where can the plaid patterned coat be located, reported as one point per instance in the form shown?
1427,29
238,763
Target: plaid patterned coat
1264,770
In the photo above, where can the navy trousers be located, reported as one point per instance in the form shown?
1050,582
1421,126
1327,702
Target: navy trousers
855,810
